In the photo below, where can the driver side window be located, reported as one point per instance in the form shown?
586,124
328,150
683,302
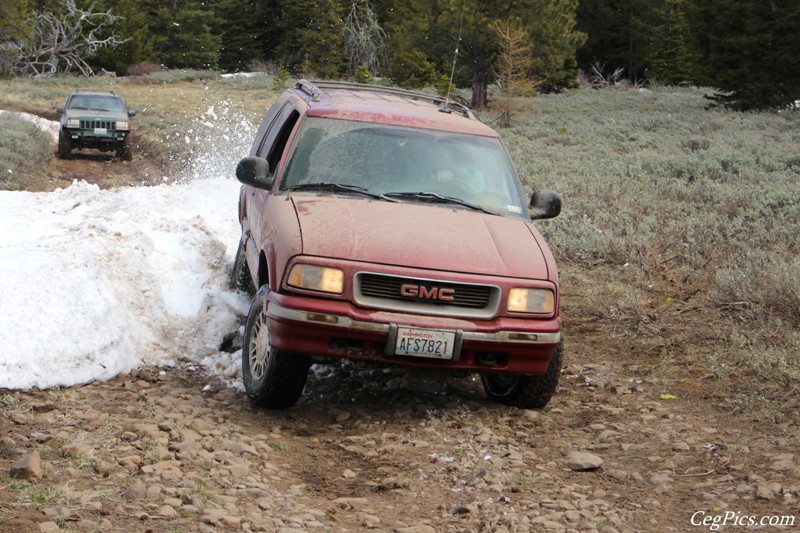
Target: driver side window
274,143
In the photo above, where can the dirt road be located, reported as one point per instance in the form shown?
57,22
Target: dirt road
172,450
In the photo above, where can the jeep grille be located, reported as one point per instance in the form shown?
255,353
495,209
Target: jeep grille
110,125
384,292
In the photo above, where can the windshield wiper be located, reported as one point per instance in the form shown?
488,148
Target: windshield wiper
440,198
330,186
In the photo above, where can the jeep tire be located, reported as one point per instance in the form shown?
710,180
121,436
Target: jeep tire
273,379
124,150
64,145
526,392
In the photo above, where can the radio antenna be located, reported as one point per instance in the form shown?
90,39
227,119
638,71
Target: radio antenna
446,108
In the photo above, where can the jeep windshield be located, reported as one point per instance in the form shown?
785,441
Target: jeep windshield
409,164
96,103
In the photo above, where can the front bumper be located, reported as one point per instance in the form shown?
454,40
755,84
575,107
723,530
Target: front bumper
338,329
91,137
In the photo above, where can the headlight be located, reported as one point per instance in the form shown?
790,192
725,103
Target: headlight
317,278
122,125
540,301
73,123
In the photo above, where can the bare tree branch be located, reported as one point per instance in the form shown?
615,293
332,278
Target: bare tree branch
60,42
364,39
600,80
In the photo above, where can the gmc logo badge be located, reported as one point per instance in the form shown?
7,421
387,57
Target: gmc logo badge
427,293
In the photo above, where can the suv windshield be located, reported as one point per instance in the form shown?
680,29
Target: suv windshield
410,164
96,102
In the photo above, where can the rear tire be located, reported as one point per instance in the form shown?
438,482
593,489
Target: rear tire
64,145
272,378
240,279
527,392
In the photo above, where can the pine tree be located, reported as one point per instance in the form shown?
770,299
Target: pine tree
669,55
551,25
133,28
183,33
241,26
13,14
618,34
308,37
408,24
755,53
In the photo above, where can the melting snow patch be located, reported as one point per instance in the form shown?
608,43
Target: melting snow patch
106,281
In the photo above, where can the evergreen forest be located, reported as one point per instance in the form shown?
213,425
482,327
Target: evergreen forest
746,50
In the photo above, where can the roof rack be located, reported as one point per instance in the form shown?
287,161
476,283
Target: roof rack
314,90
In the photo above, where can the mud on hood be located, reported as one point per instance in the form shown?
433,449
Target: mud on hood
429,236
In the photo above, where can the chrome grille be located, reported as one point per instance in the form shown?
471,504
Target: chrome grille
469,300
110,125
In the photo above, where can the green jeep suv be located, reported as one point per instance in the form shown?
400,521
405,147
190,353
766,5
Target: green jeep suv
94,120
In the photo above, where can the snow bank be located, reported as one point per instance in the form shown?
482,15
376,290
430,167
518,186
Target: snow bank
48,126
94,283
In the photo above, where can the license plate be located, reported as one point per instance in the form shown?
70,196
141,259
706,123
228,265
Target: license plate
417,342
100,131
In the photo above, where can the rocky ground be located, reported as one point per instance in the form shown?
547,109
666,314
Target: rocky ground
171,450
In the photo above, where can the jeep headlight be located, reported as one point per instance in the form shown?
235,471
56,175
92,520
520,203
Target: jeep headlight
521,300
73,123
122,125
317,278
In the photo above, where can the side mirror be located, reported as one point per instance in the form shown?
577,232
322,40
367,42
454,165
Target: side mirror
60,110
131,113
544,204
254,171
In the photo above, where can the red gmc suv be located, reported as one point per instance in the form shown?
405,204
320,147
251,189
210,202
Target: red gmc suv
389,225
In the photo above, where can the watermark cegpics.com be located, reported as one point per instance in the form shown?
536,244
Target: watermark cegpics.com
714,522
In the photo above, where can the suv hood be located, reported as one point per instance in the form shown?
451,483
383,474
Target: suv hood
94,114
428,236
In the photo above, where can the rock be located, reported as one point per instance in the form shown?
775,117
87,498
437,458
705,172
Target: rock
27,467
77,450
416,529
582,461
136,491
147,431
349,474
49,527
660,479
213,516
167,511
784,465
240,449
56,511
680,447
608,434
764,491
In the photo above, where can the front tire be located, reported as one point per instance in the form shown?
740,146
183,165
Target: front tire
526,392
124,151
273,379
64,145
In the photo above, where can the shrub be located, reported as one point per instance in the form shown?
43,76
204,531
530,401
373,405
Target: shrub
281,79
175,76
143,69
692,206
23,149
